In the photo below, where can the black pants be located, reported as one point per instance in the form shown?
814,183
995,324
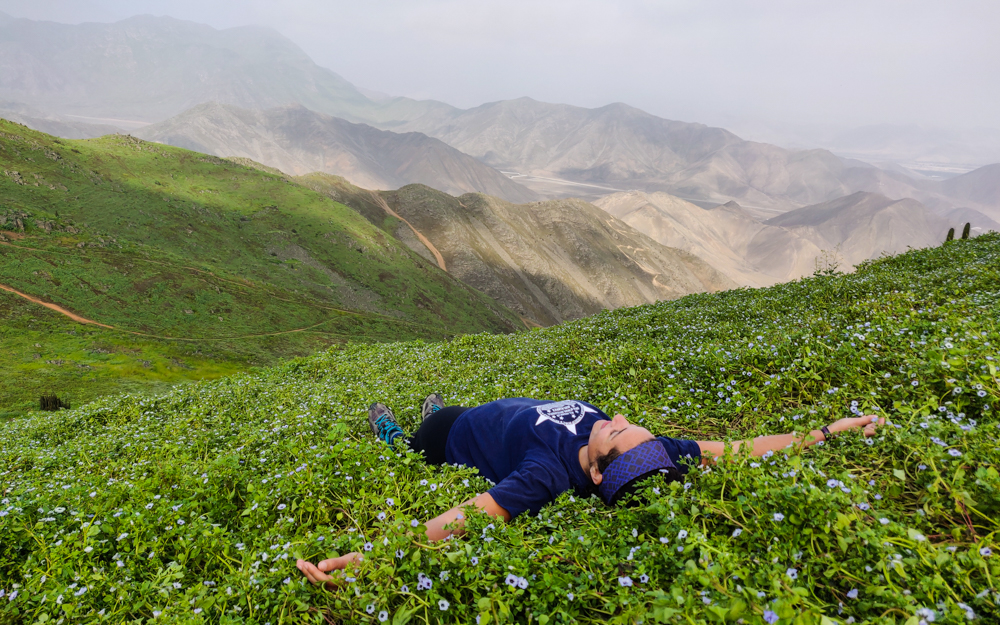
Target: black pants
432,435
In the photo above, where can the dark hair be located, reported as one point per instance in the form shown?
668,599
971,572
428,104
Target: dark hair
603,462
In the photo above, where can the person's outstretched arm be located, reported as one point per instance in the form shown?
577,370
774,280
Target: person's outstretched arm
711,450
317,573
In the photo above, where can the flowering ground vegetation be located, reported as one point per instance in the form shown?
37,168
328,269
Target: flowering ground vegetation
193,505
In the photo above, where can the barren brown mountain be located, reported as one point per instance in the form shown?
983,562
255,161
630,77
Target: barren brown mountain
549,261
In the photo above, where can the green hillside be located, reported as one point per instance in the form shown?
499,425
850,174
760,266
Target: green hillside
212,264
192,506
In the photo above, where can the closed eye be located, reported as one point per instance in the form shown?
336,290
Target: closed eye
613,434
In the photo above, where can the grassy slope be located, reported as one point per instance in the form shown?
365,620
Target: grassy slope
266,467
171,245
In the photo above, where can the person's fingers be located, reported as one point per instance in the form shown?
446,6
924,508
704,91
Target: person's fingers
338,563
307,570
314,574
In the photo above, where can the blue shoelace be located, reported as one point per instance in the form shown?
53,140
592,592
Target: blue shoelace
388,431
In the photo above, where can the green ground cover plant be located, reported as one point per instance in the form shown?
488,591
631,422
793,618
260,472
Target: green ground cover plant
192,506
174,248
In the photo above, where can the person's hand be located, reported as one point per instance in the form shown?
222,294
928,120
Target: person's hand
842,425
871,425
316,573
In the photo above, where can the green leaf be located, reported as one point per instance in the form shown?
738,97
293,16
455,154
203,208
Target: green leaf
899,474
402,616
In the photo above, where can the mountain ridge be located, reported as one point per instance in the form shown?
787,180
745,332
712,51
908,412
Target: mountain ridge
299,141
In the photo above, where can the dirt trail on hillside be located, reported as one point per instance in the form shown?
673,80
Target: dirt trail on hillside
58,309
244,283
79,319
430,246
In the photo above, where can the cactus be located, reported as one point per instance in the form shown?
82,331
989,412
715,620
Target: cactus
965,230
951,235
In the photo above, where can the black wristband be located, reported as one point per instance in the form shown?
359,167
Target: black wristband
827,435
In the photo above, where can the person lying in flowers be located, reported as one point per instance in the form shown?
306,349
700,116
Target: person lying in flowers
534,450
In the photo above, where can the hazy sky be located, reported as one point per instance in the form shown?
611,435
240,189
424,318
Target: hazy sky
731,63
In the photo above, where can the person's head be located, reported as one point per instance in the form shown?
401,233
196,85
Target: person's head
627,443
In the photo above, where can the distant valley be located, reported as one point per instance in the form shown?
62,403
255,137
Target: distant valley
832,235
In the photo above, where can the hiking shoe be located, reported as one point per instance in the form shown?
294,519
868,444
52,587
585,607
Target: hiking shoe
432,404
383,423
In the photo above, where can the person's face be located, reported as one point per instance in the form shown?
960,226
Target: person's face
618,434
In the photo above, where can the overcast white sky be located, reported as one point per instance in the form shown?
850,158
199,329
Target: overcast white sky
723,62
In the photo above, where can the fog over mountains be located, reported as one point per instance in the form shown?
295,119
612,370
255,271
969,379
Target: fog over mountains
734,212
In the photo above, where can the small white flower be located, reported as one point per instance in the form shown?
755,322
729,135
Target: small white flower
383,616
792,573
443,605
779,517
737,532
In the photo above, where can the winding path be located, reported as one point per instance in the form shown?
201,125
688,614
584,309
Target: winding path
430,246
57,308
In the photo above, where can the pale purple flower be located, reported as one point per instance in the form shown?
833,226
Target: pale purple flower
771,617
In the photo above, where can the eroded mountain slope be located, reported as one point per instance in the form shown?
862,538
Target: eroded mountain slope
549,261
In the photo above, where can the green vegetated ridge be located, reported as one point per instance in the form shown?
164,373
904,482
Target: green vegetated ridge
192,506
202,266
